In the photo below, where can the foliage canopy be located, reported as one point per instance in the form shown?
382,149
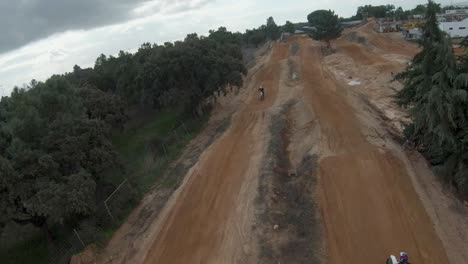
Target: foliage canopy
326,23
435,91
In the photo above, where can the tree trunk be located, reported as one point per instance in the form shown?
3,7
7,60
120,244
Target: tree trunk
48,234
142,97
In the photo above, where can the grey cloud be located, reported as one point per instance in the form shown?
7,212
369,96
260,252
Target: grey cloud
182,6
23,21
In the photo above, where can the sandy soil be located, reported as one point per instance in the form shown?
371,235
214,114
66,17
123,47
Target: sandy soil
373,199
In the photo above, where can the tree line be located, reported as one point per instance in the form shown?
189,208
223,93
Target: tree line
56,151
435,92
390,11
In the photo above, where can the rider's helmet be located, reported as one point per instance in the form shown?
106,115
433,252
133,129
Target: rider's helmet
404,257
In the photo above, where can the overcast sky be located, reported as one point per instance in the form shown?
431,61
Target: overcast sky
43,37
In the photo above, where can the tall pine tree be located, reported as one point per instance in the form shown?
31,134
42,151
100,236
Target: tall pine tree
435,93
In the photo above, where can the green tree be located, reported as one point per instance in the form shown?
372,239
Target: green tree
389,11
400,14
51,155
272,30
419,10
103,106
327,25
289,27
436,94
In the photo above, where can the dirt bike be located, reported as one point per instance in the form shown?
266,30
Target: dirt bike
262,95
392,260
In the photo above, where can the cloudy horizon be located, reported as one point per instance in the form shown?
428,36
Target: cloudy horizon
45,37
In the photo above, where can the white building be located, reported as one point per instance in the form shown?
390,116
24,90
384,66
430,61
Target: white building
455,28
456,11
453,15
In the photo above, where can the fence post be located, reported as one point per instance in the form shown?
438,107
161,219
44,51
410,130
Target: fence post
110,196
185,128
108,211
79,238
164,148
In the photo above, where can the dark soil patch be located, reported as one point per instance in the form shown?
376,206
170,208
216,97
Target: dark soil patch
294,48
289,227
355,37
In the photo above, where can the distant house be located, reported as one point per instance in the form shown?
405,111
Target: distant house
308,28
455,28
349,24
456,12
305,30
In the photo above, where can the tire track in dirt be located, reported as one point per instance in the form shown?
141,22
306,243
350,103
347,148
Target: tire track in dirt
194,229
368,203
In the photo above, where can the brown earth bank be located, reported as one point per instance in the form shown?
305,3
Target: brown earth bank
312,173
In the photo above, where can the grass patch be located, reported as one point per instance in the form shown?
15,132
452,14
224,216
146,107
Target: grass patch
132,143
148,149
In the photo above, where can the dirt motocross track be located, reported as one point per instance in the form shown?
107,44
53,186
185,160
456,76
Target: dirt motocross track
368,205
